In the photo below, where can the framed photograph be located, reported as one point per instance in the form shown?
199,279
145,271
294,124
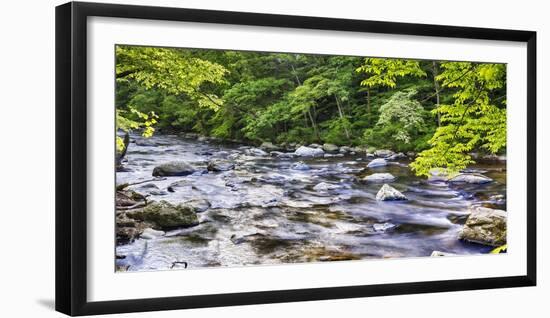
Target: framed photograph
208,158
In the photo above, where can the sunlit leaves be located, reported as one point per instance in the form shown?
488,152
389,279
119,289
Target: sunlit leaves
285,97
500,249
174,71
386,71
134,119
476,121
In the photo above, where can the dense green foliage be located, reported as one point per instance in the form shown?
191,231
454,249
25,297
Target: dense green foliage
475,121
443,110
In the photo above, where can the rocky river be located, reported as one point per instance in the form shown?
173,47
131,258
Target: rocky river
247,205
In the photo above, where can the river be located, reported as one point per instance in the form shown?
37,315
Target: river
266,212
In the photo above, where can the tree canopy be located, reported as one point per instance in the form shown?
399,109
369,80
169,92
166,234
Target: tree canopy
444,111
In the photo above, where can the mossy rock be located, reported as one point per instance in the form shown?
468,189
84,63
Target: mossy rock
165,215
485,226
175,168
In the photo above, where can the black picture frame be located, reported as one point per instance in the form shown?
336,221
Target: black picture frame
71,157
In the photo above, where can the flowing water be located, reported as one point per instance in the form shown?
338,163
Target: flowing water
266,212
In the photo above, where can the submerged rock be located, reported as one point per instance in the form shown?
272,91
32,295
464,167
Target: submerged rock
221,154
269,146
379,162
149,234
383,227
389,193
485,226
304,151
470,178
256,152
247,238
143,142
220,165
332,155
324,187
438,174
165,215
397,156
345,149
330,148
280,154
300,166
383,153
379,177
198,205
174,168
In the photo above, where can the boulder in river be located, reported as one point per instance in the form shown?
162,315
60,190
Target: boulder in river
300,166
221,154
126,234
379,177
383,153
470,178
325,187
282,155
485,226
304,151
127,229
174,168
256,152
383,227
269,146
165,215
378,162
345,149
220,165
330,148
389,193
149,234
397,156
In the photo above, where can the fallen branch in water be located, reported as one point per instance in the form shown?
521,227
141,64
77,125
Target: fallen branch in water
135,206
125,185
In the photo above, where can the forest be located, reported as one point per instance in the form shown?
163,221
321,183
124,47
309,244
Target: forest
233,158
444,113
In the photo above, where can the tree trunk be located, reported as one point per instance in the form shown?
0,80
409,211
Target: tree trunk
342,116
314,125
299,84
